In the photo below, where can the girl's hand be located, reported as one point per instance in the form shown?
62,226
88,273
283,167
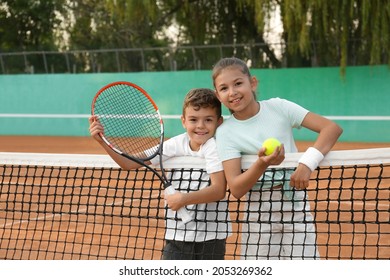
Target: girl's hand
300,178
276,158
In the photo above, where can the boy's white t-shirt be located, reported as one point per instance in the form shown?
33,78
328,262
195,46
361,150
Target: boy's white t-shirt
212,220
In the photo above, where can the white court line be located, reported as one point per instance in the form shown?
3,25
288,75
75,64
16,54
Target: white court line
83,116
47,216
384,205
84,210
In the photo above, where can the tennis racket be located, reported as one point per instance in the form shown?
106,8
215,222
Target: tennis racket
133,128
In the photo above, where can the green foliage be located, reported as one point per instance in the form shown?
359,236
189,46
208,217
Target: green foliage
315,32
28,25
333,32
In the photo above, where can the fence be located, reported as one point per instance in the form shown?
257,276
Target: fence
132,59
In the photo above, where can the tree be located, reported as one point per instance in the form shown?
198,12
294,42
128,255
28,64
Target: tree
132,33
331,32
121,25
315,32
29,25
203,22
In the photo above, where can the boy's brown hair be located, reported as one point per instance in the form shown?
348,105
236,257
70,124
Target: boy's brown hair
202,98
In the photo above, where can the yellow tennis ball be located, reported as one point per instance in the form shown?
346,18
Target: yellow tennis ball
270,145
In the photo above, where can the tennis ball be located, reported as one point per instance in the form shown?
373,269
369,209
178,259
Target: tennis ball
270,145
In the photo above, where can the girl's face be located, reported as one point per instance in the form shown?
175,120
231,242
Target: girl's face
235,90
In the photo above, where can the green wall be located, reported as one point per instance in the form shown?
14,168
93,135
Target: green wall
59,104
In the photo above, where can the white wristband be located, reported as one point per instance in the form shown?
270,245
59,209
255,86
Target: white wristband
311,158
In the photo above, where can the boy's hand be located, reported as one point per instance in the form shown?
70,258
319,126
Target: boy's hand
95,128
175,201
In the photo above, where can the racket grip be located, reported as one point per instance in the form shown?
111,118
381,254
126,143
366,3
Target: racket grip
183,214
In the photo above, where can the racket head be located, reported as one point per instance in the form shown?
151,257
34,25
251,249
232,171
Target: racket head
131,120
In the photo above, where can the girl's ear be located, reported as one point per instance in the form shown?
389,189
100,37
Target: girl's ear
254,83
217,95
220,121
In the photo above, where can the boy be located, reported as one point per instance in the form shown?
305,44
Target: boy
205,236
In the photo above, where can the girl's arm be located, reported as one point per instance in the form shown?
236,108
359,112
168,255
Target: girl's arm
95,128
215,192
240,183
328,133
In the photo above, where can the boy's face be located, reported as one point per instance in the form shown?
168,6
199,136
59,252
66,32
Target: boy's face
200,125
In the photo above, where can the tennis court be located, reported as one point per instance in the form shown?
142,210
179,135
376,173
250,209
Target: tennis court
106,213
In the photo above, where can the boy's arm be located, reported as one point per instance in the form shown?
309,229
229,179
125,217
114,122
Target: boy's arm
214,192
95,128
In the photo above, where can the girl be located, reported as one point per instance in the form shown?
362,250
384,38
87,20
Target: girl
279,226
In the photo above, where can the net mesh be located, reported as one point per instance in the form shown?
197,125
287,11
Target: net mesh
56,206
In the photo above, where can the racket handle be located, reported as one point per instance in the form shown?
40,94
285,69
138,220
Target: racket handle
183,214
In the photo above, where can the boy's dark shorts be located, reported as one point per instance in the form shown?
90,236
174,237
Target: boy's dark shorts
209,250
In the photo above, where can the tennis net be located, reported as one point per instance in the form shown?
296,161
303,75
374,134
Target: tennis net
62,206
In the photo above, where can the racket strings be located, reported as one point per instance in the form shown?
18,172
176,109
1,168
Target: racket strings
131,121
